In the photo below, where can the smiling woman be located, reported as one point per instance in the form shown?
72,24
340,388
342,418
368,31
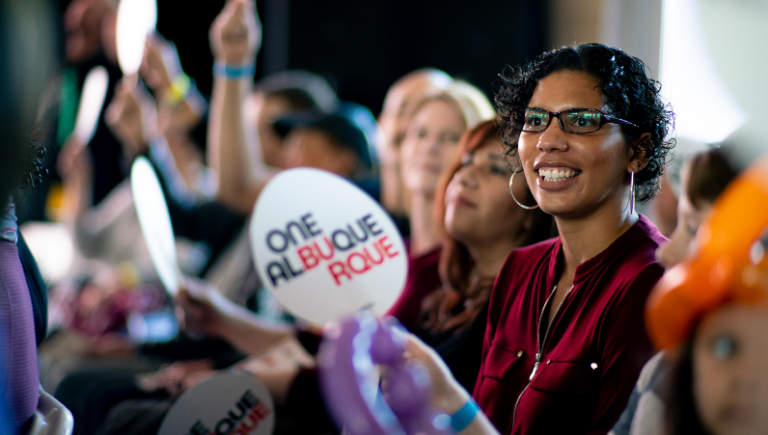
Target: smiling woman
565,340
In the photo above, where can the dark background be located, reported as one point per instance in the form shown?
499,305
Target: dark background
360,46
364,46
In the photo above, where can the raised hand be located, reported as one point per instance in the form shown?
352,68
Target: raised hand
447,393
74,160
125,118
153,70
200,308
236,33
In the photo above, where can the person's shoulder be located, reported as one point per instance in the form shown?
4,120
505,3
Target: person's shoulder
525,258
652,236
533,252
642,258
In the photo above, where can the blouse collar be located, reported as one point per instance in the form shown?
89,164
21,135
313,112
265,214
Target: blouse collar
641,230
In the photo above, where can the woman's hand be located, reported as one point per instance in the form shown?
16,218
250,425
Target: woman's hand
124,117
190,381
200,308
236,33
172,374
153,70
74,162
447,394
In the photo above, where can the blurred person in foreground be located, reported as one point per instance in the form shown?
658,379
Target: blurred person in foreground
709,314
703,178
32,53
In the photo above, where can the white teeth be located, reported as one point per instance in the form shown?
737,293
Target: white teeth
557,174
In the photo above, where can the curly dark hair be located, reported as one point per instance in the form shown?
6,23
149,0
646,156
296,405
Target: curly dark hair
629,92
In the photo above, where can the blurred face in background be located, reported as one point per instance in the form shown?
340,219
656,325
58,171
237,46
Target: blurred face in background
730,376
83,26
399,104
689,216
264,111
478,207
430,145
309,148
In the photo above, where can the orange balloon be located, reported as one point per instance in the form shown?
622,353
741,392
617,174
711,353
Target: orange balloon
718,272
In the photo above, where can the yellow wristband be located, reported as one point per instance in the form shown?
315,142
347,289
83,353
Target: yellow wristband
179,90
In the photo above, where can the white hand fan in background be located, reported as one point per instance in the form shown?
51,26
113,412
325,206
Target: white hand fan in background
228,403
155,223
324,248
91,103
136,19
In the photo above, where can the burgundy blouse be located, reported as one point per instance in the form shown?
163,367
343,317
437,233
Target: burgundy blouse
423,279
591,354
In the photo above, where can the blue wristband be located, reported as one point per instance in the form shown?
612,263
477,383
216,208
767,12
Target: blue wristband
464,416
221,69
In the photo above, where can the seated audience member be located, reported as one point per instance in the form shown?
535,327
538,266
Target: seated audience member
703,178
479,225
399,104
19,380
100,390
22,297
235,39
430,145
277,96
711,320
564,342
331,142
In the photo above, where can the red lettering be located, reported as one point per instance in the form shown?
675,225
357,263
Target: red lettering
387,247
308,257
261,410
258,413
338,269
378,250
249,424
331,250
366,265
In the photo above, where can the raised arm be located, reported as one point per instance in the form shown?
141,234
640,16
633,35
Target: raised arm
204,310
235,39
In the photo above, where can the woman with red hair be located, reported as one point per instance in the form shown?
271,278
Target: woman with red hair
480,224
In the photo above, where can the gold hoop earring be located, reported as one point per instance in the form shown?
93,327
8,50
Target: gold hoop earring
632,190
512,183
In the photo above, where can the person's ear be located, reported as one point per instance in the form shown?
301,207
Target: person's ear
639,153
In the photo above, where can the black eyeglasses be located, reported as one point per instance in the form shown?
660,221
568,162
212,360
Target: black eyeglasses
577,121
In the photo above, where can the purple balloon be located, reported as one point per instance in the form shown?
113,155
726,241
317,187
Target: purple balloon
348,357
406,390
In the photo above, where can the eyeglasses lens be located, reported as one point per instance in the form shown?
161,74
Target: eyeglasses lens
581,122
533,120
